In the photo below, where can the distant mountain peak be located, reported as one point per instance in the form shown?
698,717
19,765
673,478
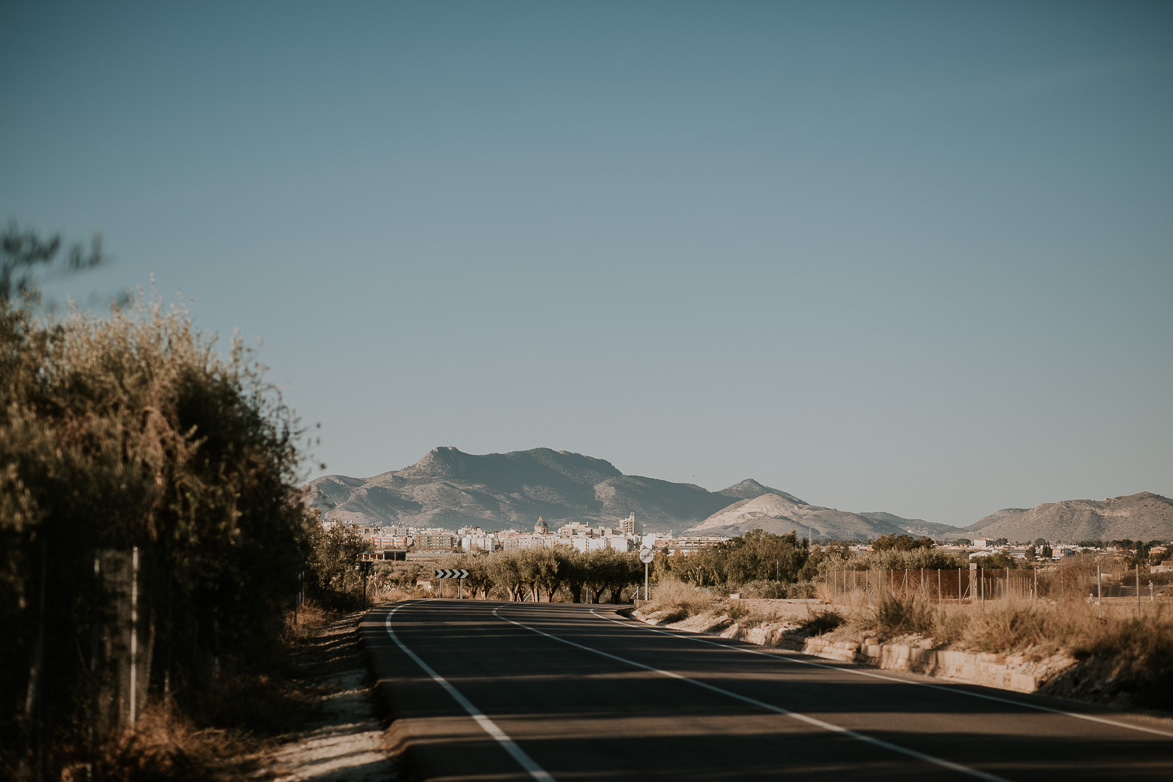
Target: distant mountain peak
750,489
446,461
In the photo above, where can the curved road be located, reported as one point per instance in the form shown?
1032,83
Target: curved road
524,691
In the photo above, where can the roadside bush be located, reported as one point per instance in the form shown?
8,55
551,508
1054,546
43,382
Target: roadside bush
894,559
822,622
675,600
903,615
134,432
767,590
1012,626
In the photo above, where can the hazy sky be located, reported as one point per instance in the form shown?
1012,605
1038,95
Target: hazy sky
914,257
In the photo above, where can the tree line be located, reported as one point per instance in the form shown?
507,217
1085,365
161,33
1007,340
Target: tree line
558,574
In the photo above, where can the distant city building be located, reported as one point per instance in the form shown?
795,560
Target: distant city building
688,544
628,525
478,540
541,528
435,541
524,541
617,542
575,529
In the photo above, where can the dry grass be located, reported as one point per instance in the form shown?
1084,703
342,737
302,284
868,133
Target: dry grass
166,746
1135,655
1120,655
676,600
748,614
230,725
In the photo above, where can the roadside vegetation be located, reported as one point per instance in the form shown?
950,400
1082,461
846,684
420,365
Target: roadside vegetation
154,550
1115,650
559,574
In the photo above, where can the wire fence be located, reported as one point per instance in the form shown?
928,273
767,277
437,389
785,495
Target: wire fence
966,585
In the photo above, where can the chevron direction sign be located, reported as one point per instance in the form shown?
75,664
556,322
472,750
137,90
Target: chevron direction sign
451,574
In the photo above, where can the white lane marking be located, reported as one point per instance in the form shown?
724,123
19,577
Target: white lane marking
768,706
942,688
490,727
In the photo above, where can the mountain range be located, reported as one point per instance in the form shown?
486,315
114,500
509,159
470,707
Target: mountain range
449,488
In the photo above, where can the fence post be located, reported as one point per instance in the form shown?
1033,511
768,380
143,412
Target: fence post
133,635
32,705
1099,591
1138,590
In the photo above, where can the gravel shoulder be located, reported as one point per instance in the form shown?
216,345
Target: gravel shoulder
346,741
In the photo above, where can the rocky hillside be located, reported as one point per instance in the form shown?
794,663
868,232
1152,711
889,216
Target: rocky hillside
917,527
1143,516
450,488
777,514
749,489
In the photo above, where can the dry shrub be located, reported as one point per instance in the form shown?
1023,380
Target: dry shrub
822,622
736,610
1128,658
167,746
261,704
309,617
904,615
1147,641
676,600
1012,626
951,625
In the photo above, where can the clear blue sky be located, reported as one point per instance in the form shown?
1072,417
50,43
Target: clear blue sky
914,257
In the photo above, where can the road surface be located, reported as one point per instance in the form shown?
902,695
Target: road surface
525,691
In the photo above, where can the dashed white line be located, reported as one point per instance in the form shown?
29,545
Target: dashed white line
766,706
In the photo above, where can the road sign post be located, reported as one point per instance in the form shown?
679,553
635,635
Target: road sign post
458,573
646,555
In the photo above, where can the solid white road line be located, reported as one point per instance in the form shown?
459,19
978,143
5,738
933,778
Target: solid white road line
490,727
942,688
767,706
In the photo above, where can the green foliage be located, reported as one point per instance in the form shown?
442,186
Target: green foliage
754,556
332,573
999,560
894,559
834,554
545,573
24,254
902,542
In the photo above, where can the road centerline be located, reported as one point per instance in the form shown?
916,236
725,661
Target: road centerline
813,721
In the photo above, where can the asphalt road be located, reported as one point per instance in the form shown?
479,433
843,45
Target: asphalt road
524,691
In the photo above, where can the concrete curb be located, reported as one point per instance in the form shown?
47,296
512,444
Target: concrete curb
1005,672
